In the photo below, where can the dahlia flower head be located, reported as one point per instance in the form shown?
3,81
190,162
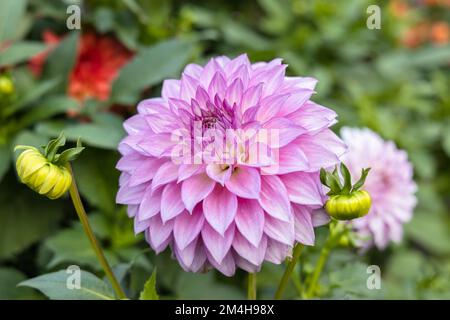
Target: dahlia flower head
224,167
390,184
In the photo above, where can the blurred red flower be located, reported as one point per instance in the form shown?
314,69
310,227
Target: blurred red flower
97,64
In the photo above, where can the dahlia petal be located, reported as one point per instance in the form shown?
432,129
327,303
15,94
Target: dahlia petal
320,217
135,124
219,208
313,117
140,226
254,254
132,210
279,230
151,204
157,144
188,226
304,230
295,101
250,220
168,172
252,96
246,265
161,246
286,131
218,172
274,198
186,171
304,188
170,89
171,203
217,245
186,255
277,252
270,106
195,189
145,171
245,182
130,195
159,231
188,87
217,86
291,158
234,92
227,266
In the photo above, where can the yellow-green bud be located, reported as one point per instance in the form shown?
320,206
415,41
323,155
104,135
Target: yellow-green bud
44,177
47,173
6,85
349,206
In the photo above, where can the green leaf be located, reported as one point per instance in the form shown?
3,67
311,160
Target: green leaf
10,17
20,51
97,178
72,246
5,159
25,216
100,135
149,292
48,108
61,60
52,147
54,286
149,67
9,278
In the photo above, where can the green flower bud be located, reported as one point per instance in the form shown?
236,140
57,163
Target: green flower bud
46,172
347,207
346,202
6,85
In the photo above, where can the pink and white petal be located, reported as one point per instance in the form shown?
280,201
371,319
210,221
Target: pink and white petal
245,182
145,171
254,254
188,226
157,144
304,188
291,158
234,92
171,203
304,230
195,189
171,89
218,172
159,232
140,226
151,204
251,97
245,264
320,217
274,198
270,106
227,266
281,231
277,252
219,208
167,173
130,195
217,245
186,255
282,131
250,220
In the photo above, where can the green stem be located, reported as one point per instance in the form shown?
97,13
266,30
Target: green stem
317,271
287,273
333,239
90,234
251,290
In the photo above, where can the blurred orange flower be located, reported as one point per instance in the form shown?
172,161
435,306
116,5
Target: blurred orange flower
440,33
97,64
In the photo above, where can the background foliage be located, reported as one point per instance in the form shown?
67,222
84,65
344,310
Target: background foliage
394,80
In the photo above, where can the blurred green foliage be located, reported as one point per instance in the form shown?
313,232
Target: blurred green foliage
368,76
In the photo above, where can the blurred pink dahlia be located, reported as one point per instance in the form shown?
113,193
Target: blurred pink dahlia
224,167
390,184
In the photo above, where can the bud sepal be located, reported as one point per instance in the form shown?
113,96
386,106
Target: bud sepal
346,202
47,173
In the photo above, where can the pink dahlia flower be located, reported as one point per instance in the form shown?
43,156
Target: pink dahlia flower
224,167
390,184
